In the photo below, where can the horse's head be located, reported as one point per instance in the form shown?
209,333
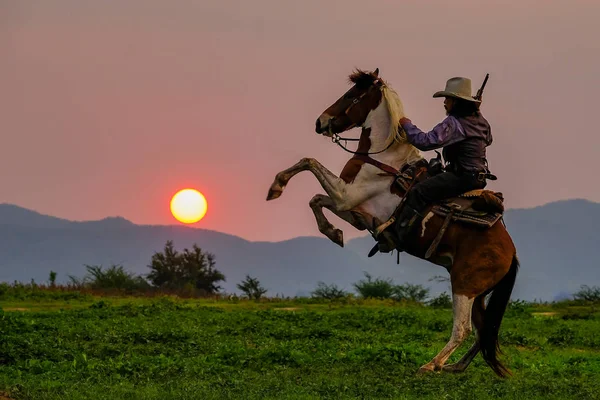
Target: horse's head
354,106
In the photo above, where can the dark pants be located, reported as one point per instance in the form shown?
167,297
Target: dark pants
440,187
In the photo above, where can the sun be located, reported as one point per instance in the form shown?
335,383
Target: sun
188,206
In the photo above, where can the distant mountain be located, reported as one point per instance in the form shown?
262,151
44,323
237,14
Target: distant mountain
556,243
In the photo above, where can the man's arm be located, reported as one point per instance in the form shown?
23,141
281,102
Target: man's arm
443,134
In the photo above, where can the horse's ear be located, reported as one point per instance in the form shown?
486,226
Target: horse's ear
376,73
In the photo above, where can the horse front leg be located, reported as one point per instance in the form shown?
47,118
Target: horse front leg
478,312
461,307
344,195
320,201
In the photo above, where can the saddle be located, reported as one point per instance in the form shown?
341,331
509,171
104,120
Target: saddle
477,207
482,208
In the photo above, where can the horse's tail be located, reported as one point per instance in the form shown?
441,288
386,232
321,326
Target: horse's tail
492,318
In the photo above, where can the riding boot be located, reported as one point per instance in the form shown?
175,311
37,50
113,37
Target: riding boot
385,243
394,236
405,221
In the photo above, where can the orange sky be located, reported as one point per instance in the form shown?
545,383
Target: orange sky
108,108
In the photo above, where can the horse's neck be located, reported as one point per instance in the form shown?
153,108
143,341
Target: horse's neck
377,126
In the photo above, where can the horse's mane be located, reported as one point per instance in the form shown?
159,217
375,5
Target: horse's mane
361,78
395,108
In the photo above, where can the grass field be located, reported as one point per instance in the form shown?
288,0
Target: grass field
164,348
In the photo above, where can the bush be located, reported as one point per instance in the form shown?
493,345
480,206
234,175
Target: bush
252,288
586,293
173,270
411,292
329,292
115,277
52,278
386,289
442,301
378,288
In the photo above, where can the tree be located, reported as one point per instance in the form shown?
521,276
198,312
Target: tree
411,292
386,289
378,288
174,270
52,279
330,292
251,288
164,267
586,293
442,301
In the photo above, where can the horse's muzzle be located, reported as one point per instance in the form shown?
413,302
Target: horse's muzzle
322,125
318,126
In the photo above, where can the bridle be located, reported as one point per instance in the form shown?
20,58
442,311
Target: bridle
335,138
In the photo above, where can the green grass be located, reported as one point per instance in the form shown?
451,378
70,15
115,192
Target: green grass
137,348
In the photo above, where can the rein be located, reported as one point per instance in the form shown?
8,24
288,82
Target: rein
364,156
335,138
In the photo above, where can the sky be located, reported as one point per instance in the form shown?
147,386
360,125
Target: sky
107,108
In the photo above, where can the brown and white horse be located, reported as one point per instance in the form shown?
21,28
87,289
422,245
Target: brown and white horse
479,261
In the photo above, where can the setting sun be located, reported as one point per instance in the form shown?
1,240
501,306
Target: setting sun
188,206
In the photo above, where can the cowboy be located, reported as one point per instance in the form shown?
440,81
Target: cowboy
463,135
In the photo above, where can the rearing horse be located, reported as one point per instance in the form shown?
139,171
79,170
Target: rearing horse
479,261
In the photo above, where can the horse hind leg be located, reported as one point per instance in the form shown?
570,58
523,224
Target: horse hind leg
461,306
478,312
320,201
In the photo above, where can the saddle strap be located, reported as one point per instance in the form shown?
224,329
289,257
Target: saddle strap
440,235
384,167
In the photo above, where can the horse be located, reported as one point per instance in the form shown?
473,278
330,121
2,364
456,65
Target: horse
482,263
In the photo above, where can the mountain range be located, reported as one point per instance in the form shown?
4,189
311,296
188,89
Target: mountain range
556,244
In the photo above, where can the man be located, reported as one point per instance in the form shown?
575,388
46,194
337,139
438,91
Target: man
464,136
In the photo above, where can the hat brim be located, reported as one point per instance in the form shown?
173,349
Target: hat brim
456,96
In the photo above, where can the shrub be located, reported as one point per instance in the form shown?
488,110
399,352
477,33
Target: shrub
586,293
518,307
252,288
411,292
52,278
115,277
173,270
329,292
375,288
442,301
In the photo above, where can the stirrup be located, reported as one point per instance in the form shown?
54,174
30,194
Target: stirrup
383,226
385,240
374,250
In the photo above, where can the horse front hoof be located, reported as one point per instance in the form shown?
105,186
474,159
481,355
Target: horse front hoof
274,192
426,369
338,237
273,195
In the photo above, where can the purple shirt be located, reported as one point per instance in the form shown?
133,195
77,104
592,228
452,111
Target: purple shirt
445,133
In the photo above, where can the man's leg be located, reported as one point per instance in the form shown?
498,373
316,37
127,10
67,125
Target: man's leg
434,189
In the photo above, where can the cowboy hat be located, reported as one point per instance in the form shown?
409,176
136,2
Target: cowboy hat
459,88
